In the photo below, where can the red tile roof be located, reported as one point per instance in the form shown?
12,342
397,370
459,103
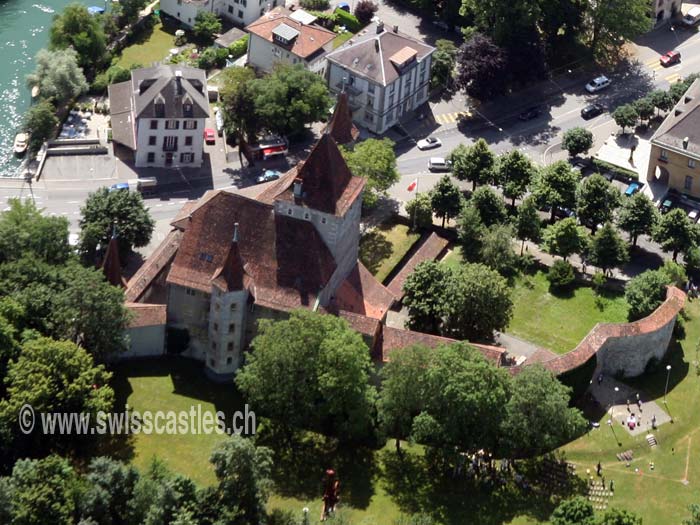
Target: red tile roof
154,265
146,314
361,293
429,250
231,275
341,127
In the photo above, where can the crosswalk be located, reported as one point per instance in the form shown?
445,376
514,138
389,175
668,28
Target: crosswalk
450,118
655,66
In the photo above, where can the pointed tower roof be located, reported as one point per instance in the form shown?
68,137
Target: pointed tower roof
230,276
111,266
341,127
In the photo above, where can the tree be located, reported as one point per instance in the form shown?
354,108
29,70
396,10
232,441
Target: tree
364,11
58,75
514,172
131,9
403,390
527,223
40,123
564,238
243,471
106,212
420,211
110,489
661,100
470,231
645,108
637,216
561,275
481,68
290,98
374,160
75,27
334,362
238,103
474,163
619,517
478,302
694,519
607,249
443,64
25,232
489,205
446,199
206,26
577,141
675,232
625,116
645,293
538,416
609,25
574,511
497,249
424,296
596,201
555,186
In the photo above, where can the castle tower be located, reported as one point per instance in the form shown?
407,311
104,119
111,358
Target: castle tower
111,266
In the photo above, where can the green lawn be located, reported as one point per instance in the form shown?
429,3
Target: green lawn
341,39
383,247
153,46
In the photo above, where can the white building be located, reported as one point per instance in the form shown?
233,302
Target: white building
240,12
160,114
664,10
282,36
385,73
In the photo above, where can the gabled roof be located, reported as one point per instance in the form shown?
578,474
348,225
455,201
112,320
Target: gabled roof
341,126
310,39
172,85
121,118
327,184
378,55
680,129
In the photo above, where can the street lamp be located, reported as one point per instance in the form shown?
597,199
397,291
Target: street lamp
617,390
612,428
668,376
673,30
305,510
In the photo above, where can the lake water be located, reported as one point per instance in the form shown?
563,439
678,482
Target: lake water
24,29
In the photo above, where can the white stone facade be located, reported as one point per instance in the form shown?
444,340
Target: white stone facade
239,12
169,143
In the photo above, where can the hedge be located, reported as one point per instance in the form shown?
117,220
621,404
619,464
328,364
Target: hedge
348,20
619,173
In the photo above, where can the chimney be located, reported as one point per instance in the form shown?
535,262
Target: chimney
376,45
685,142
178,79
298,188
396,29
380,27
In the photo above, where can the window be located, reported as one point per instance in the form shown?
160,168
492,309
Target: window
307,216
154,124
186,157
369,117
213,345
231,328
187,110
212,363
151,157
323,220
230,347
691,163
688,185
160,109
206,257
190,124
233,307
191,292
423,64
152,140
216,327
370,88
262,12
217,307
229,360
179,2
188,140
230,9
663,155
392,88
240,14
170,143
289,211
172,124
422,77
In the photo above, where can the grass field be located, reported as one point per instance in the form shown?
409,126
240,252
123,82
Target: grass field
153,46
341,39
383,247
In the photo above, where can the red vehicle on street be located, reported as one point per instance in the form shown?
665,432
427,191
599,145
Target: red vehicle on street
209,136
670,58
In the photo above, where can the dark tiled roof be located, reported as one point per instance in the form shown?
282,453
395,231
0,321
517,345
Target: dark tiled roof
231,275
120,114
341,126
154,265
328,185
683,122
161,82
429,250
370,55
361,293
361,323
285,258
229,37
146,314
111,267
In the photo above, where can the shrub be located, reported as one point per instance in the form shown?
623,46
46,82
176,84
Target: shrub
321,5
238,48
364,11
207,59
348,20
561,275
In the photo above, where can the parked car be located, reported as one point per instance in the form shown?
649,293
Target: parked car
268,175
209,136
592,110
666,205
344,6
632,189
529,114
564,213
693,215
119,186
219,118
598,84
692,17
429,143
439,164
670,58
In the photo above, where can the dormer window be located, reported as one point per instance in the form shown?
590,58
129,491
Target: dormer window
284,34
187,107
159,107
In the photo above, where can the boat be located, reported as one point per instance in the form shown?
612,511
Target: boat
35,91
20,147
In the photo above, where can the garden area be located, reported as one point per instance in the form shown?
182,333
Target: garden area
153,45
384,246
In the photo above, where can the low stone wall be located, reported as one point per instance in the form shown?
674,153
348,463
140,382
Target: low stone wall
623,348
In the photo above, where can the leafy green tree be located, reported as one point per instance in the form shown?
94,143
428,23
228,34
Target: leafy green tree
608,250
374,160
637,216
420,211
645,108
40,122
478,302
6,500
443,64
514,172
609,25
497,249
238,105
596,201
446,199
75,27
131,9
561,275
403,390
424,297
619,517
564,238
331,357
555,186
25,232
538,416
489,205
577,141
290,98
364,11
574,511
58,75
527,223
481,68
475,163
243,471
645,293
694,519
110,489
470,232
675,232
625,116
206,26
105,212
661,100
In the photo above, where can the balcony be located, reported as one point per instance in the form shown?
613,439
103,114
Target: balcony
170,147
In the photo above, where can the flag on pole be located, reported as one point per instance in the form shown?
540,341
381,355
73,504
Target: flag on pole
413,185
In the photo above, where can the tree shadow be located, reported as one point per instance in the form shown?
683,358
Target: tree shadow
374,249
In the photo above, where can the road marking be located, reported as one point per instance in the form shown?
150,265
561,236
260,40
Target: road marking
672,78
73,202
448,118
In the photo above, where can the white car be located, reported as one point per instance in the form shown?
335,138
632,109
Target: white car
429,143
693,215
597,84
